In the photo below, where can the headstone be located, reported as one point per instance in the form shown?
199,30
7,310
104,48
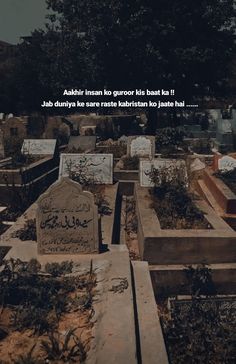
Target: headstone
142,146
226,164
82,142
67,220
39,146
2,150
96,168
146,166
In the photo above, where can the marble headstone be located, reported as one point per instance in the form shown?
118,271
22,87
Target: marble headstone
67,220
146,166
97,168
141,146
226,164
39,146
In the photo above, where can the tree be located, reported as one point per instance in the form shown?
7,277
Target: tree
120,44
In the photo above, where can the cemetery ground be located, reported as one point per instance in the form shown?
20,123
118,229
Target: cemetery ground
120,258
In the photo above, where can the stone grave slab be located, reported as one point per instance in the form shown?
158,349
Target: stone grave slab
82,142
146,166
39,147
97,168
67,220
141,145
226,164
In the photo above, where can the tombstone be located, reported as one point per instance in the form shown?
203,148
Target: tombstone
141,146
2,150
82,143
226,164
39,147
95,168
67,220
146,166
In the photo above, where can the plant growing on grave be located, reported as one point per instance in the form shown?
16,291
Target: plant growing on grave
117,149
131,163
67,349
200,281
172,201
200,330
59,269
169,139
28,232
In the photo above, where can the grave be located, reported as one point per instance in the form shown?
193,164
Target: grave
67,220
3,252
96,168
146,166
142,146
44,147
82,143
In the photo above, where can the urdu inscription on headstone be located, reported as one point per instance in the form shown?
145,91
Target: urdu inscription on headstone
97,168
39,146
67,220
142,146
170,165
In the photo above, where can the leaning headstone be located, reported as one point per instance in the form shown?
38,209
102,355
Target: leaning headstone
226,164
82,143
67,220
141,146
2,150
169,166
39,147
93,168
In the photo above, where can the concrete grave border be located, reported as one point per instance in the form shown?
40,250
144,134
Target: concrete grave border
158,246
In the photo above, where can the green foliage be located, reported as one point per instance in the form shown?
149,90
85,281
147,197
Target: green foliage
172,201
28,232
200,330
37,299
131,163
95,43
59,269
67,349
169,138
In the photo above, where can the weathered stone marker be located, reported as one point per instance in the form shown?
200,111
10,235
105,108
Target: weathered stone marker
142,146
39,147
96,168
67,220
169,165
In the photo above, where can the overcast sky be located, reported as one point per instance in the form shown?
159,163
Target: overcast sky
20,17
